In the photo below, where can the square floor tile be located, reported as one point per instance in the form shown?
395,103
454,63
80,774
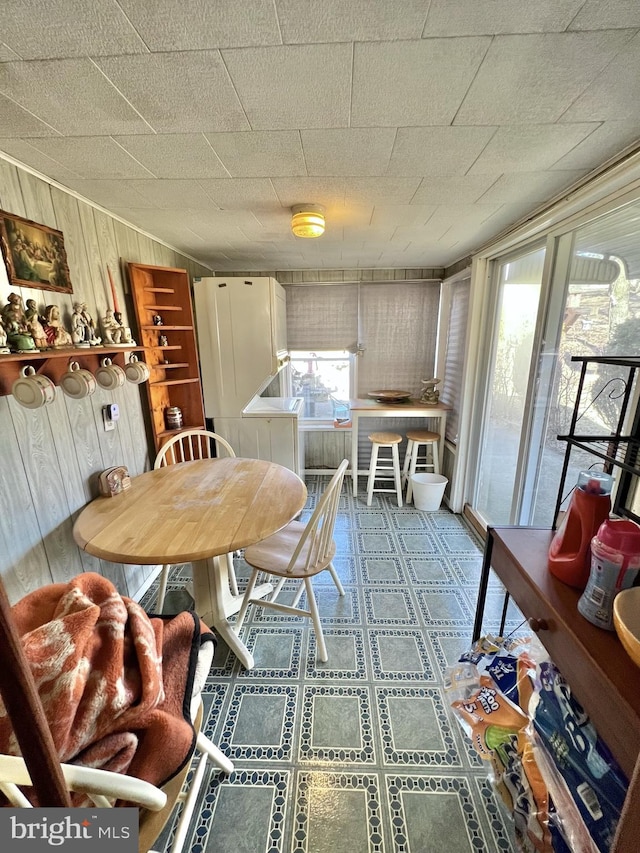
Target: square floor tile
409,519
448,646
418,544
351,824
260,722
415,727
371,520
336,725
346,651
434,572
446,608
389,606
378,542
399,655
376,570
276,652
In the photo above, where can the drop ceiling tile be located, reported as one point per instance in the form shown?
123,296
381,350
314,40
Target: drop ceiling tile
108,193
468,17
91,157
467,216
380,190
397,215
326,191
411,83
605,142
236,193
351,20
267,81
615,94
437,150
534,78
607,14
6,54
178,92
23,151
177,156
71,95
452,189
260,153
61,29
15,121
348,151
203,24
173,193
528,148
529,187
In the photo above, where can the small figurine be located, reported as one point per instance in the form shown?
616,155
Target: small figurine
15,324
111,329
57,335
157,320
36,329
79,328
126,331
429,393
3,339
163,341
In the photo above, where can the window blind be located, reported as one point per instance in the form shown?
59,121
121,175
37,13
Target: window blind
322,316
454,355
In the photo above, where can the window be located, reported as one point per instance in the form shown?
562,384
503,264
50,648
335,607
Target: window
325,379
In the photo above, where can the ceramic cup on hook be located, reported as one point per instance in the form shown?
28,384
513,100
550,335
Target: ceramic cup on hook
32,390
109,375
78,382
136,371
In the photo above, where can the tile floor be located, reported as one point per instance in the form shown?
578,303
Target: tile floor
361,754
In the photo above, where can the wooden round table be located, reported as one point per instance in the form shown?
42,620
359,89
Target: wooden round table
195,512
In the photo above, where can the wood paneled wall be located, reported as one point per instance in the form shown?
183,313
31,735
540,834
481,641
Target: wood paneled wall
50,457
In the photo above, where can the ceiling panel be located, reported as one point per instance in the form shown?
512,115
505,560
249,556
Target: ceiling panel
425,127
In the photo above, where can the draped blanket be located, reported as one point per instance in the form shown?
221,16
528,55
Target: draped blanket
115,684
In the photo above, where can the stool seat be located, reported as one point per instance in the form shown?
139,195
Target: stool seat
385,438
417,439
384,468
422,435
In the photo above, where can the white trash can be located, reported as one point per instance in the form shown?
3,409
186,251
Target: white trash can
428,491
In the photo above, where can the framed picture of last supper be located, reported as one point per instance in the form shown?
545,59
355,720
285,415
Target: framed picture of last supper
34,254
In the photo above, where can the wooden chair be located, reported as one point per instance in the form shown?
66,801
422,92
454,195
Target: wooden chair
51,780
414,462
187,446
385,469
298,551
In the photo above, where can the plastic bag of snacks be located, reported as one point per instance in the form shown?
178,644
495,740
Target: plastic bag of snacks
581,768
490,690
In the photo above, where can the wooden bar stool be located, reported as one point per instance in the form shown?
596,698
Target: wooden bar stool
413,460
386,468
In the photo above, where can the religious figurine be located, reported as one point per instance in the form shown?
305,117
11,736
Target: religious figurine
57,335
36,329
429,393
79,329
15,323
126,331
90,326
111,329
3,339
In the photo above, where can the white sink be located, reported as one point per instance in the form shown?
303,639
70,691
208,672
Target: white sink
274,406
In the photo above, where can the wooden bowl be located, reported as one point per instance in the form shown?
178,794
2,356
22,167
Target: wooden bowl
389,396
626,618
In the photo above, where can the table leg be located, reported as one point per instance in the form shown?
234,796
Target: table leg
443,429
354,452
214,602
482,588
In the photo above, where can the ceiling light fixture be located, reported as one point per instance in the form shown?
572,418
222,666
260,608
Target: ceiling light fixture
307,220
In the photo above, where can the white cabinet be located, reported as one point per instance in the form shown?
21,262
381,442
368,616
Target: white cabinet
242,338
273,439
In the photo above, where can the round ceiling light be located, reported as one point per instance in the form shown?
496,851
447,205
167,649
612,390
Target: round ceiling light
307,220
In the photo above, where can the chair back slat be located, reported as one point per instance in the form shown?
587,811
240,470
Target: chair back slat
190,445
318,534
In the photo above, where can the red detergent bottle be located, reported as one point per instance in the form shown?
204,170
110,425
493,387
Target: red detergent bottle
590,505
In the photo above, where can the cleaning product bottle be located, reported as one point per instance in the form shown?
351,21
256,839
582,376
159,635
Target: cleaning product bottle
615,565
590,504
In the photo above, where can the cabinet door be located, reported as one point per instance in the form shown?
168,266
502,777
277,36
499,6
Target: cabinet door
279,318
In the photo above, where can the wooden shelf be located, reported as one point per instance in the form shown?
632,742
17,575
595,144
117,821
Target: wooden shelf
55,362
171,291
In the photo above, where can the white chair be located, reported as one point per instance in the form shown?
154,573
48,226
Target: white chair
187,446
381,468
414,461
298,551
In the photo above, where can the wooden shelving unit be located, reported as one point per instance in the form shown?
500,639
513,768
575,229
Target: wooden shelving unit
175,376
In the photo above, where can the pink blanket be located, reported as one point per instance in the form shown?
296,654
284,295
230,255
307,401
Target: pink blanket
115,684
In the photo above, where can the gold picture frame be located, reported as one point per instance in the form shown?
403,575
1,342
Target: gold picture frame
34,254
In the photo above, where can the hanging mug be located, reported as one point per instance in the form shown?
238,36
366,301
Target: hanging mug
78,382
32,390
110,376
136,371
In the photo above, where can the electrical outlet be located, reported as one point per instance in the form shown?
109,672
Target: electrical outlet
108,417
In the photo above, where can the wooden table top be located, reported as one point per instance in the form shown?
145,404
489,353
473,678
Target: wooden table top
409,407
191,511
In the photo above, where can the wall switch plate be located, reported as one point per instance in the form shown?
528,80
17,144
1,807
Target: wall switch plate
108,417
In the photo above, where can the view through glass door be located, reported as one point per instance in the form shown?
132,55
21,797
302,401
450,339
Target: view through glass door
517,287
